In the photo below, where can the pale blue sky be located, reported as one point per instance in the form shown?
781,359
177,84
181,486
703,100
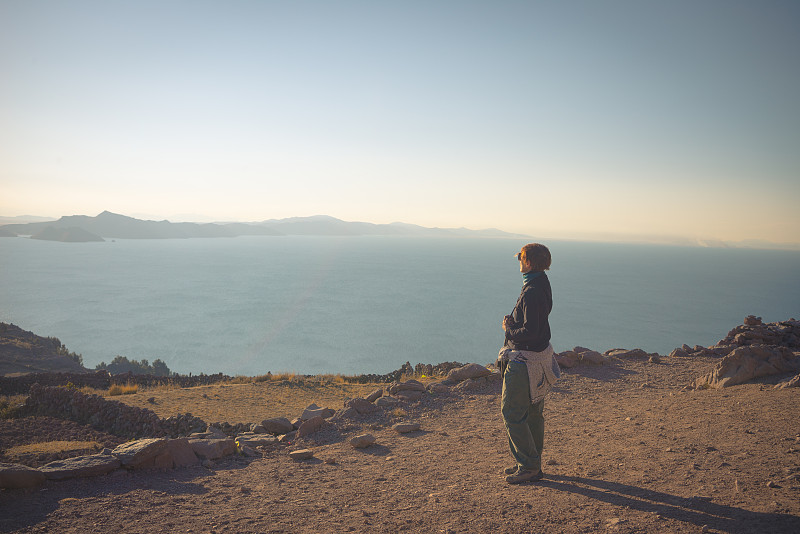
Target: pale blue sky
579,119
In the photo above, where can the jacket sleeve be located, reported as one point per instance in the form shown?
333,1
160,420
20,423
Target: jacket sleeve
527,318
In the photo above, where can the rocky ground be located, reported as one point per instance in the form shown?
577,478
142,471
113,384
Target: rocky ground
627,449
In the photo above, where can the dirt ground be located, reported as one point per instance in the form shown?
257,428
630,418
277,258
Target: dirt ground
626,450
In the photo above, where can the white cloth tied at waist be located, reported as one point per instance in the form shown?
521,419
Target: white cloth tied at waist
543,369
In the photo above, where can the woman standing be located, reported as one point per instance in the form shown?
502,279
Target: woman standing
531,368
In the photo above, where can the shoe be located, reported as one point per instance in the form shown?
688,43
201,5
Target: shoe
525,475
511,470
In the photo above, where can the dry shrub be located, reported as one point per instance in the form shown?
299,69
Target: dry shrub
10,405
122,389
291,377
49,447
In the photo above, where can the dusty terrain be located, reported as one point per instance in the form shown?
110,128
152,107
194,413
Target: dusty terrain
626,450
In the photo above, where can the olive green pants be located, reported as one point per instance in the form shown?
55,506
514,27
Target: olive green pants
524,421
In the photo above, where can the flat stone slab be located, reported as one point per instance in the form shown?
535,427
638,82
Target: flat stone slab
471,370
212,449
181,453
135,453
255,440
81,466
404,428
13,476
302,454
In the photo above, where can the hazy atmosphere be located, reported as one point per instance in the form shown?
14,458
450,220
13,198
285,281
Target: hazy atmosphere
672,121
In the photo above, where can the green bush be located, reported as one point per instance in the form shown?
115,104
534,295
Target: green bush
121,364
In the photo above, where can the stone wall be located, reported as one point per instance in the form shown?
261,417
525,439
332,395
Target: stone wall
106,415
19,385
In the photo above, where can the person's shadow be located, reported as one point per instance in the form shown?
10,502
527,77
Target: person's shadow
697,510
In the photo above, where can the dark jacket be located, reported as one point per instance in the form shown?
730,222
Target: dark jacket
530,329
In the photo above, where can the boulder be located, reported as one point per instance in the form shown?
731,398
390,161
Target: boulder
362,441
181,453
13,476
410,395
568,359
408,385
592,357
387,402
375,395
680,352
81,466
437,388
747,363
277,425
138,453
346,413
752,320
362,406
310,426
470,384
471,370
313,411
212,449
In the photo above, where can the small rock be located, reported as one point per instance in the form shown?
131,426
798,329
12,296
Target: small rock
277,425
249,451
362,441
551,462
592,357
568,359
404,428
302,454
289,436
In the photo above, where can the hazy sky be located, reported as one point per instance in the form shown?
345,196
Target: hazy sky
557,119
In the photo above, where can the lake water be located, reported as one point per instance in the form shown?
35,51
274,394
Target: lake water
249,305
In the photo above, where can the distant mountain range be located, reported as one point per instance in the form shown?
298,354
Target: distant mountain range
107,225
